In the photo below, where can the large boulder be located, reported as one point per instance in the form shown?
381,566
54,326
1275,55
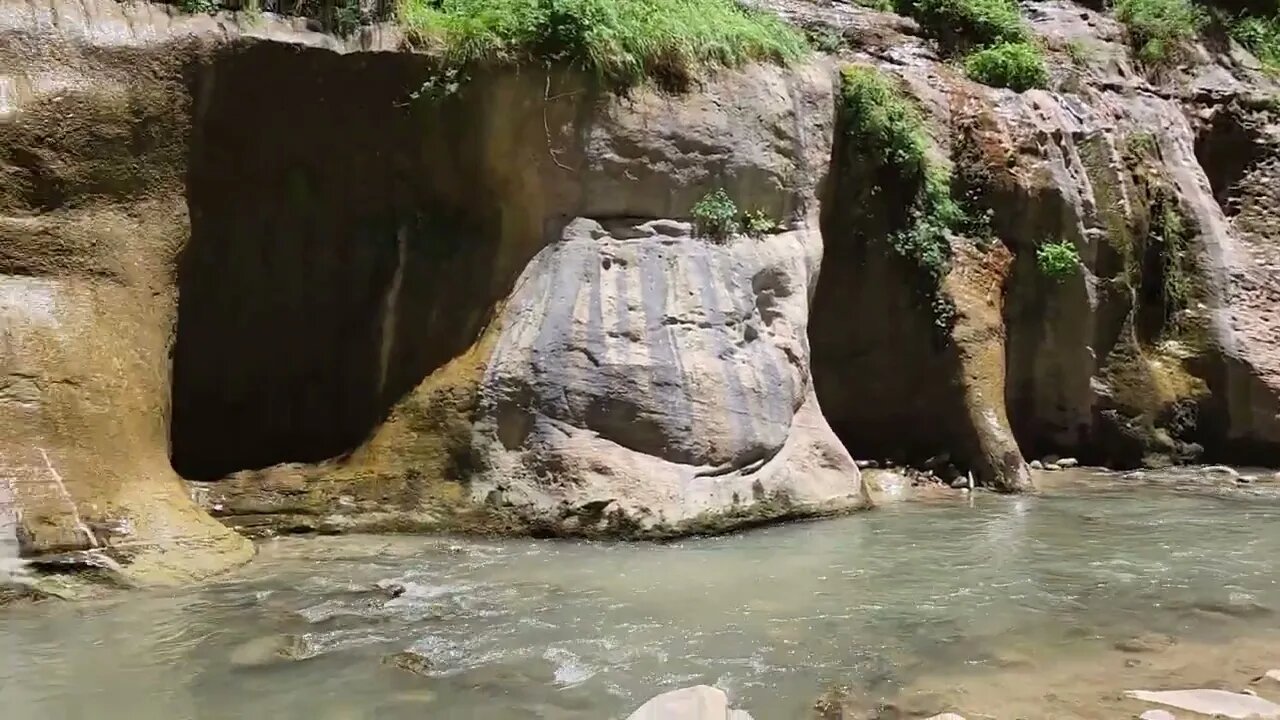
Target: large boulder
647,381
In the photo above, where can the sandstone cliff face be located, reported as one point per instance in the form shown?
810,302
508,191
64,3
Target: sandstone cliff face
242,255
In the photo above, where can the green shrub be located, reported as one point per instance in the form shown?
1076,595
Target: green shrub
1018,66
1160,30
1058,260
879,5
624,41
1261,36
968,23
716,215
759,223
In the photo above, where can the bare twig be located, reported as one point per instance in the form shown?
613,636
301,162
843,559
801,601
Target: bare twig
546,126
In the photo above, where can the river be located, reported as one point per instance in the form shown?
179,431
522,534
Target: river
966,588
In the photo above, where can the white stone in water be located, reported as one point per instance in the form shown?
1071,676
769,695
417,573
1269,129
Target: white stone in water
1037,465
1212,702
1068,462
1273,675
1052,466
946,716
1157,715
701,702
1221,470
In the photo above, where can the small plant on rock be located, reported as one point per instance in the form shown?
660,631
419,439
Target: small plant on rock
716,215
759,223
1058,260
1018,66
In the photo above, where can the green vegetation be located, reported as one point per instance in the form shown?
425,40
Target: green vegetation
880,5
885,134
1173,241
1058,260
1018,66
759,223
716,215
1080,52
1160,30
968,23
999,45
199,6
624,41
1261,35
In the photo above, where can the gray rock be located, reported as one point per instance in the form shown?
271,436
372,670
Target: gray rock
1237,706
1037,465
960,482
1068,463
1052,466
410,661
678,396
700,702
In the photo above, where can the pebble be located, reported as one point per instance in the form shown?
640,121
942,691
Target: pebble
1157,715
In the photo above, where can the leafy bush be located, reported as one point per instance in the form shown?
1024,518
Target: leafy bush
624,41
968,23
199,6
1018,66
759,223
716,215
1058,260
1160,30
1261,36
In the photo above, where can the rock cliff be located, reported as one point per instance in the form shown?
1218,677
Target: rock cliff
292,281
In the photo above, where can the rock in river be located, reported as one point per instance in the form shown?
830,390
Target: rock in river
700,702
1212,702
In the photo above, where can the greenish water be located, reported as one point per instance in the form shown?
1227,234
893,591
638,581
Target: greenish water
545,629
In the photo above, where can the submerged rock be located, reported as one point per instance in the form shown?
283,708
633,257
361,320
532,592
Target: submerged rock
410,661
1146,643
1221,470
1237,706
700,702
1157,715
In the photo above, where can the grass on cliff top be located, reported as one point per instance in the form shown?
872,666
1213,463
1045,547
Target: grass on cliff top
624,41
1261,36
1160,30
962,24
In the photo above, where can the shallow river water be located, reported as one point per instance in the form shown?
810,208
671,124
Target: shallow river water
551,629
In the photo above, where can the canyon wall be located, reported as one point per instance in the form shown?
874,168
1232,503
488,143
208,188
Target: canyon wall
303,284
